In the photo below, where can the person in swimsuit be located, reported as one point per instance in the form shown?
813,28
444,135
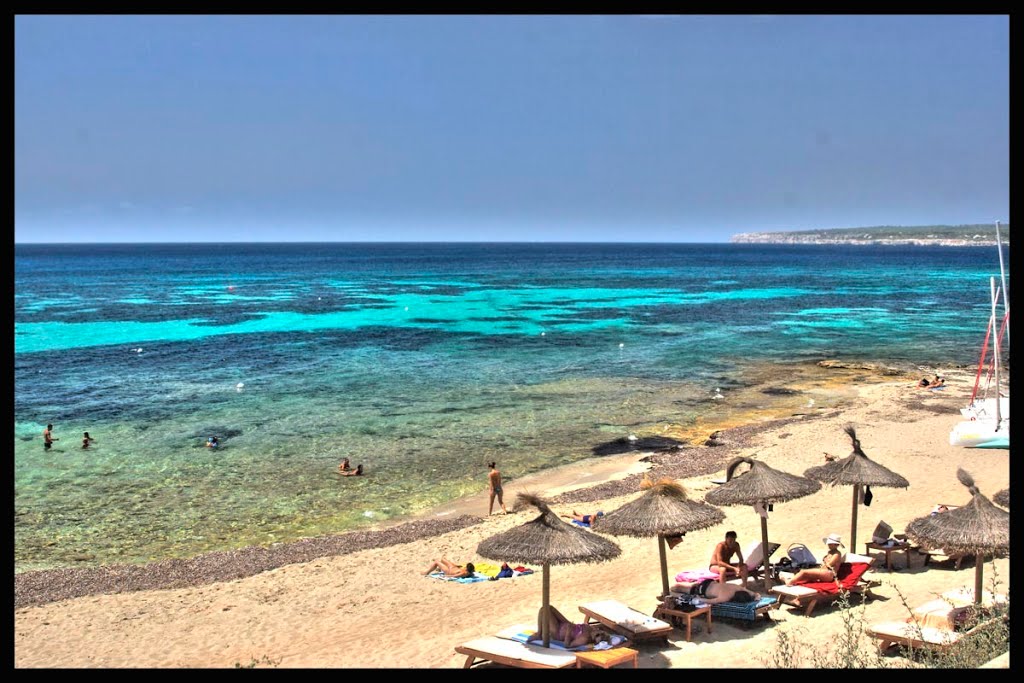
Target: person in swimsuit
583,519
357,472
569,634
829,569
711,591
494,483
344,466
451,569
86,440
48,437
720,559
213,442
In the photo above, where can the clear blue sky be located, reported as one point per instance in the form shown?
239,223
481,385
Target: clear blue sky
505,128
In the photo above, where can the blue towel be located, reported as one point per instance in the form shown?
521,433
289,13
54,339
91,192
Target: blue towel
477,576
579,523
740,610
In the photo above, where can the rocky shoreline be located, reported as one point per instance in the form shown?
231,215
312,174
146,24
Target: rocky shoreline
51,585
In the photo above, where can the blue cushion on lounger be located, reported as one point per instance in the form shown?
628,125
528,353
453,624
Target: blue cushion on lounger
740,610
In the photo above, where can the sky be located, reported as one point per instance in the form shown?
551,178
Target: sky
620,128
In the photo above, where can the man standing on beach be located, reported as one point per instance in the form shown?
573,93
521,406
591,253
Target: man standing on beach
494,481
48,437
720,558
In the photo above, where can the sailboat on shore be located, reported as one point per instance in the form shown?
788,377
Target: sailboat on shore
987,423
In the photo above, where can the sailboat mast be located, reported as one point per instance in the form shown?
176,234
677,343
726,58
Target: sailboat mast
1002,279
995,350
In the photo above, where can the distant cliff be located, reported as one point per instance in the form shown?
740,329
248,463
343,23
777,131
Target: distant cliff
947,235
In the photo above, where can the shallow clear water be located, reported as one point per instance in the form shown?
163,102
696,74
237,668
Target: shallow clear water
421,361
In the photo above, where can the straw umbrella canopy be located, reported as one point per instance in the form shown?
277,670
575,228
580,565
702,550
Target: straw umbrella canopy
859,470
663,510
764,485
977,528
1002,498
546,540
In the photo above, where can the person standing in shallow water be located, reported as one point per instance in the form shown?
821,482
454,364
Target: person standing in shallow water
86,440
494,482
48,438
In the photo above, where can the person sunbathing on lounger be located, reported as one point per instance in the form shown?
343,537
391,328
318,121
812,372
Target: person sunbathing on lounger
712,591
449,568
723,552
564,631
829,569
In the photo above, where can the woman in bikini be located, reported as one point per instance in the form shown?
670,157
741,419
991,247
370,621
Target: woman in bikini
451,569
564,631
829,569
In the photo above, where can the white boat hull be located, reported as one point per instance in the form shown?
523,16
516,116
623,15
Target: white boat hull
985,409
981,434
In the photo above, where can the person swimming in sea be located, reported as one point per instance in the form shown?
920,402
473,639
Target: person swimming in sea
357,472
86,440
213,442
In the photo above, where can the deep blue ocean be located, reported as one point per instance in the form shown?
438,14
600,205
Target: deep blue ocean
422,361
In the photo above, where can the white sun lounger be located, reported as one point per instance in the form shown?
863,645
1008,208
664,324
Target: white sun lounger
514,653
626,621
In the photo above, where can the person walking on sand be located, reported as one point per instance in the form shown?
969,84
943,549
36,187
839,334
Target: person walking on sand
48,437
720,558
494,482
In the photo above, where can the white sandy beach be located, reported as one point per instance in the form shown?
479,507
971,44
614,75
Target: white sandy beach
374,608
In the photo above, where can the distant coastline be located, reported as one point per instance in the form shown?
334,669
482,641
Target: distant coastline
936,235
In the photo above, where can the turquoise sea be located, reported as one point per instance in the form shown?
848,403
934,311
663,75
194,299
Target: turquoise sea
422,361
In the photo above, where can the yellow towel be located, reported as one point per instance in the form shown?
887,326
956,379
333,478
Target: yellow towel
486,568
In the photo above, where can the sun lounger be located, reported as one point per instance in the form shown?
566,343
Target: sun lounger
931,626
626,621
513,653
851,574
744,612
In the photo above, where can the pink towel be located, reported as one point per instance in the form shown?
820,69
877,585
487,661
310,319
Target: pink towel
692,575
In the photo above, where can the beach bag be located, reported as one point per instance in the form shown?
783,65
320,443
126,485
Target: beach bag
801,557
684,602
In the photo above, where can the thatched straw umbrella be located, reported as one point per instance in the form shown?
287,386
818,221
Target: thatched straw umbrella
977,528
1002,498
760,484
546,540
663,510
857,469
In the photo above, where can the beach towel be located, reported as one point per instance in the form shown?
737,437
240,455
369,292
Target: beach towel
521,571
486,568
523,634
849,574
695,575
466,579
746,611
579,523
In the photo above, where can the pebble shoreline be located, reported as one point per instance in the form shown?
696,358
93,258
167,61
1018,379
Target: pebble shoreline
52,585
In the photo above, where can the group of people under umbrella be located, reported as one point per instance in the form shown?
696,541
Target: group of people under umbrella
664,511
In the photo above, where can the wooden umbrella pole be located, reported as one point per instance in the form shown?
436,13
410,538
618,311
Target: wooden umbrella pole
853,524
764,553
978,567
546,626
664,565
